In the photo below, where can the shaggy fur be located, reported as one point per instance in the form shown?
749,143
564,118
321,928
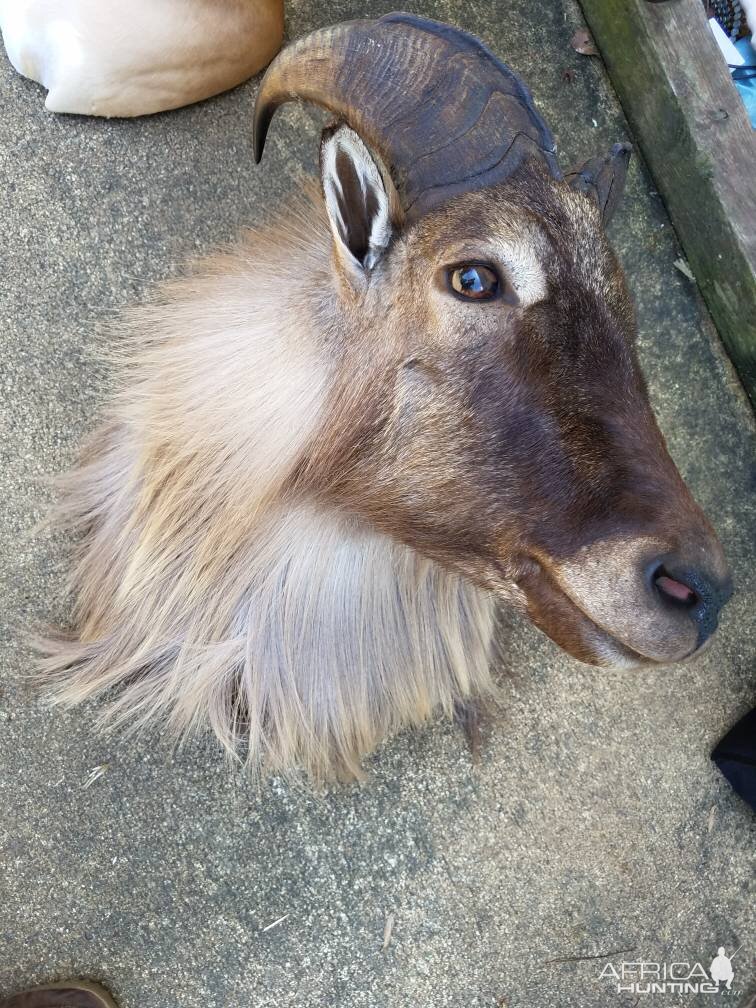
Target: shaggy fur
317,475
208,590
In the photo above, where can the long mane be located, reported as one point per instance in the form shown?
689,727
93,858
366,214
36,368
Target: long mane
208,593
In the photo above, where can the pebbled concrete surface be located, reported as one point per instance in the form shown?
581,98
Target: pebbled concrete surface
595,821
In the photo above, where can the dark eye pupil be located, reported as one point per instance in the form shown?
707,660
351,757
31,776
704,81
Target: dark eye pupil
478,283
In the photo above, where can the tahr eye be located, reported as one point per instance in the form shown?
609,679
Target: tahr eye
474,282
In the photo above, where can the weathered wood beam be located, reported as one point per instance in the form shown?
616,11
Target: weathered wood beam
695,134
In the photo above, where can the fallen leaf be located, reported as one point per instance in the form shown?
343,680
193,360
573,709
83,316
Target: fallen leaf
582,42
682,265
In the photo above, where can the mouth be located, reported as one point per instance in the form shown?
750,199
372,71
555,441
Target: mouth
561,618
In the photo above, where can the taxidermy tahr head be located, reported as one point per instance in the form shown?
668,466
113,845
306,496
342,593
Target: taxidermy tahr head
412,395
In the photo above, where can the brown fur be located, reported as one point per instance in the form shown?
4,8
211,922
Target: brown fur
299,511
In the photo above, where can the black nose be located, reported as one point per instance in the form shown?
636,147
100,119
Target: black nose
701,596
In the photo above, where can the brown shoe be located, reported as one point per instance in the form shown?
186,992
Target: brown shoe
71,994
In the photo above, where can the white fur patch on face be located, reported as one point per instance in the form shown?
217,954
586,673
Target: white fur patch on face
524,257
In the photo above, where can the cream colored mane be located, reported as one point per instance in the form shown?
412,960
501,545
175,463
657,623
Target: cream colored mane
208,593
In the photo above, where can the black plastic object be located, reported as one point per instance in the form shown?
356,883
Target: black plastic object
735,756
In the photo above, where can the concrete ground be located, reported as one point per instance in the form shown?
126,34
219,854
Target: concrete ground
595,825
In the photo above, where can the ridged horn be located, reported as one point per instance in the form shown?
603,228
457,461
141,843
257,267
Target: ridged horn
445,115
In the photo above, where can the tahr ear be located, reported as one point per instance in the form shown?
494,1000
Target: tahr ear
603,178
359,202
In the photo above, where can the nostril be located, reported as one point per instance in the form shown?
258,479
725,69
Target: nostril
689,591
674,590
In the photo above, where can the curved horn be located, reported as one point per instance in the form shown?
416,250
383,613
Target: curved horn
442,111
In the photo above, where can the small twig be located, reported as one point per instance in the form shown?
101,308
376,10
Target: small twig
387,931
581,958
280,920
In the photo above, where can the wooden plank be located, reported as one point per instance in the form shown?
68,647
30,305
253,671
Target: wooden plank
695,134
